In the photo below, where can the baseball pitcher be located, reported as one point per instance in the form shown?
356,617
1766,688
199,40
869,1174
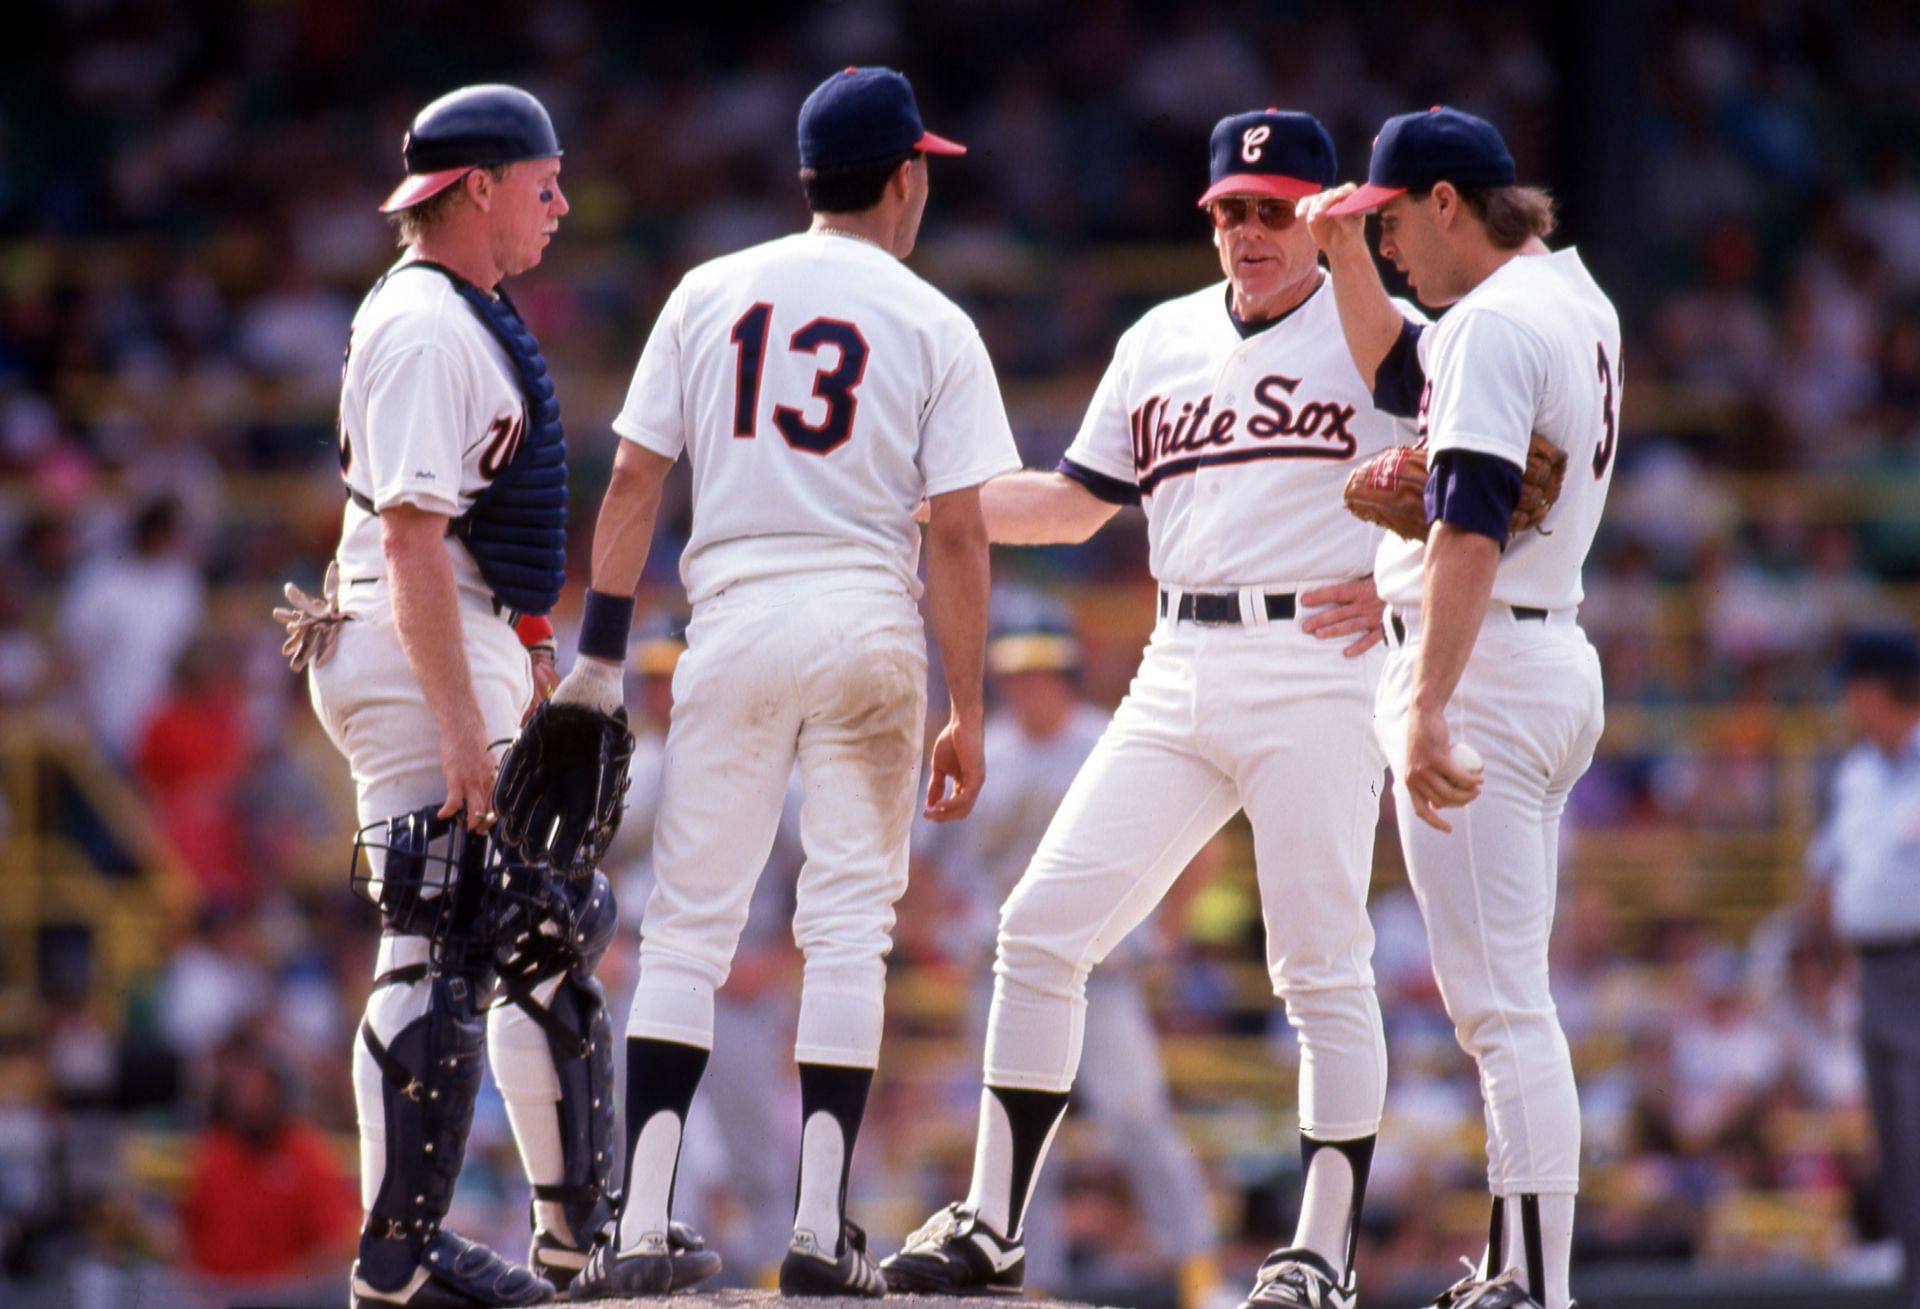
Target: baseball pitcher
1491,698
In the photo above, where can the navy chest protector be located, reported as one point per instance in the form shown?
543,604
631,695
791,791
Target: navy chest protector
516,529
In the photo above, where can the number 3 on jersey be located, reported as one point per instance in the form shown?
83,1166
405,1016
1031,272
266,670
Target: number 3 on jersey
834,385
1609,413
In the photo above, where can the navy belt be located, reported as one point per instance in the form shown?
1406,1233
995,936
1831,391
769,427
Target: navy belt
1886,947
1210,610
1521,613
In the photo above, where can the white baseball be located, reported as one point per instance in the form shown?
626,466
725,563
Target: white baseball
1466,758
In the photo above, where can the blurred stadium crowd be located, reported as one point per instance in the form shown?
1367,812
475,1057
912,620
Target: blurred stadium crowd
187,199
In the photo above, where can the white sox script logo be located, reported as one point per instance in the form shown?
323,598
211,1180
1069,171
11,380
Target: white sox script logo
1251,142
1166,444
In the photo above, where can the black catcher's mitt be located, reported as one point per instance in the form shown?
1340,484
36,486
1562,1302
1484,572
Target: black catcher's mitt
562,786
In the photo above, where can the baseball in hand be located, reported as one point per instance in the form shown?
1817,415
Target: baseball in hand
1466,758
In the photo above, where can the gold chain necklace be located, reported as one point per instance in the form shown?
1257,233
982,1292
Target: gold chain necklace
824,230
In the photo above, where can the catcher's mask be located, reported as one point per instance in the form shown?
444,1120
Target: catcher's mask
429,876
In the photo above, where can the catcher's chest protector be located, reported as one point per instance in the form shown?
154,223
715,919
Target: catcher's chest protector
517,528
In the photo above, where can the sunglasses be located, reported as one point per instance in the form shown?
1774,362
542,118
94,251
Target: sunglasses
1231,211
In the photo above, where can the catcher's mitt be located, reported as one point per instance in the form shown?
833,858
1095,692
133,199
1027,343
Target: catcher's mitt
1391,488
562,785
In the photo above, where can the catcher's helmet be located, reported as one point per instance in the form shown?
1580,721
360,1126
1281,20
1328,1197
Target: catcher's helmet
474,127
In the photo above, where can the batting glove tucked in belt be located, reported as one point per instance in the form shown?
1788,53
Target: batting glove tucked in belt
312,622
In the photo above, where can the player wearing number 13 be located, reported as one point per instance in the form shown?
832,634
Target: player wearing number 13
1488,648
820,391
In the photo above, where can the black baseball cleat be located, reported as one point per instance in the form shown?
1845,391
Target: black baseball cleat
555,1260
810,1270
1473,1291
454,1273
662,1262
1298,1279
954,1253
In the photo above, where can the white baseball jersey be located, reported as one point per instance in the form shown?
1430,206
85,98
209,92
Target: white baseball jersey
1239,447
430,411
1534,348
821,390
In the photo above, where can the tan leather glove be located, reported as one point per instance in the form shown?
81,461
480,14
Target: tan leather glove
313,623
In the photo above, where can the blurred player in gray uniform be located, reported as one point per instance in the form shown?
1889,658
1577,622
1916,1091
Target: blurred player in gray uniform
1037,738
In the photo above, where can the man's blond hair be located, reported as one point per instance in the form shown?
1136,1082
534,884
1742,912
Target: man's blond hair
415,221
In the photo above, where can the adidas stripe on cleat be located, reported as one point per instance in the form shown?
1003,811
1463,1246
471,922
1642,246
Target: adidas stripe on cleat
954,1253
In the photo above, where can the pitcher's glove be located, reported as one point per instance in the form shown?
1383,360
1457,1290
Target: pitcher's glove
563,782
312,622
1540,483
1390,489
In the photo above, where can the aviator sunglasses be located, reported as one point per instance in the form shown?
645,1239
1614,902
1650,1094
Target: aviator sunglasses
1231,211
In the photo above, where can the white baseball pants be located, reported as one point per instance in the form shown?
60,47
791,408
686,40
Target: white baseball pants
1530,703
372,707
829,669
1262,717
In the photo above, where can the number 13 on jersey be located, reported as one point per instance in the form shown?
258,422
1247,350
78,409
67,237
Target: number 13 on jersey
834,381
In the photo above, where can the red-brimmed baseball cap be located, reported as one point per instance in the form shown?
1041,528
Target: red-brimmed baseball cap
1415,151
473,127
1269,152
863,116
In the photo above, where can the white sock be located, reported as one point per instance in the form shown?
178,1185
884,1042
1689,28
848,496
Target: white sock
992,1166
1005,1116
1556,1246
655,1156
823,1152
1326,1207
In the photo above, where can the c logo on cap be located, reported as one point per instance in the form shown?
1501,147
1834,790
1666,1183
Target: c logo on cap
1251,140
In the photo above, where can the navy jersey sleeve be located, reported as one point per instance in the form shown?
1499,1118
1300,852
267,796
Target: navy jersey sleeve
1473,491
1400,379
1108,490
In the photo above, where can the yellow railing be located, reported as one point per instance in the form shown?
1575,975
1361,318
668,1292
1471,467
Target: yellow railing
50,881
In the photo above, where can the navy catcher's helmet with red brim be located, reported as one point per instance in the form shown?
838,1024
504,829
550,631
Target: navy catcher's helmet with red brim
474,127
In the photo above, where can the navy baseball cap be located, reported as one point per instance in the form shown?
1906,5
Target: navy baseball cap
1873,656
863,116
1269,152
1414,151
473,127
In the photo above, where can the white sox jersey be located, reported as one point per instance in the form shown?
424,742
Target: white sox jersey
431,410
1534,348
821,390
1239,448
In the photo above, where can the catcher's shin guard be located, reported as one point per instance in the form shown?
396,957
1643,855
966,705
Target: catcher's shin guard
577,1034
429,1075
